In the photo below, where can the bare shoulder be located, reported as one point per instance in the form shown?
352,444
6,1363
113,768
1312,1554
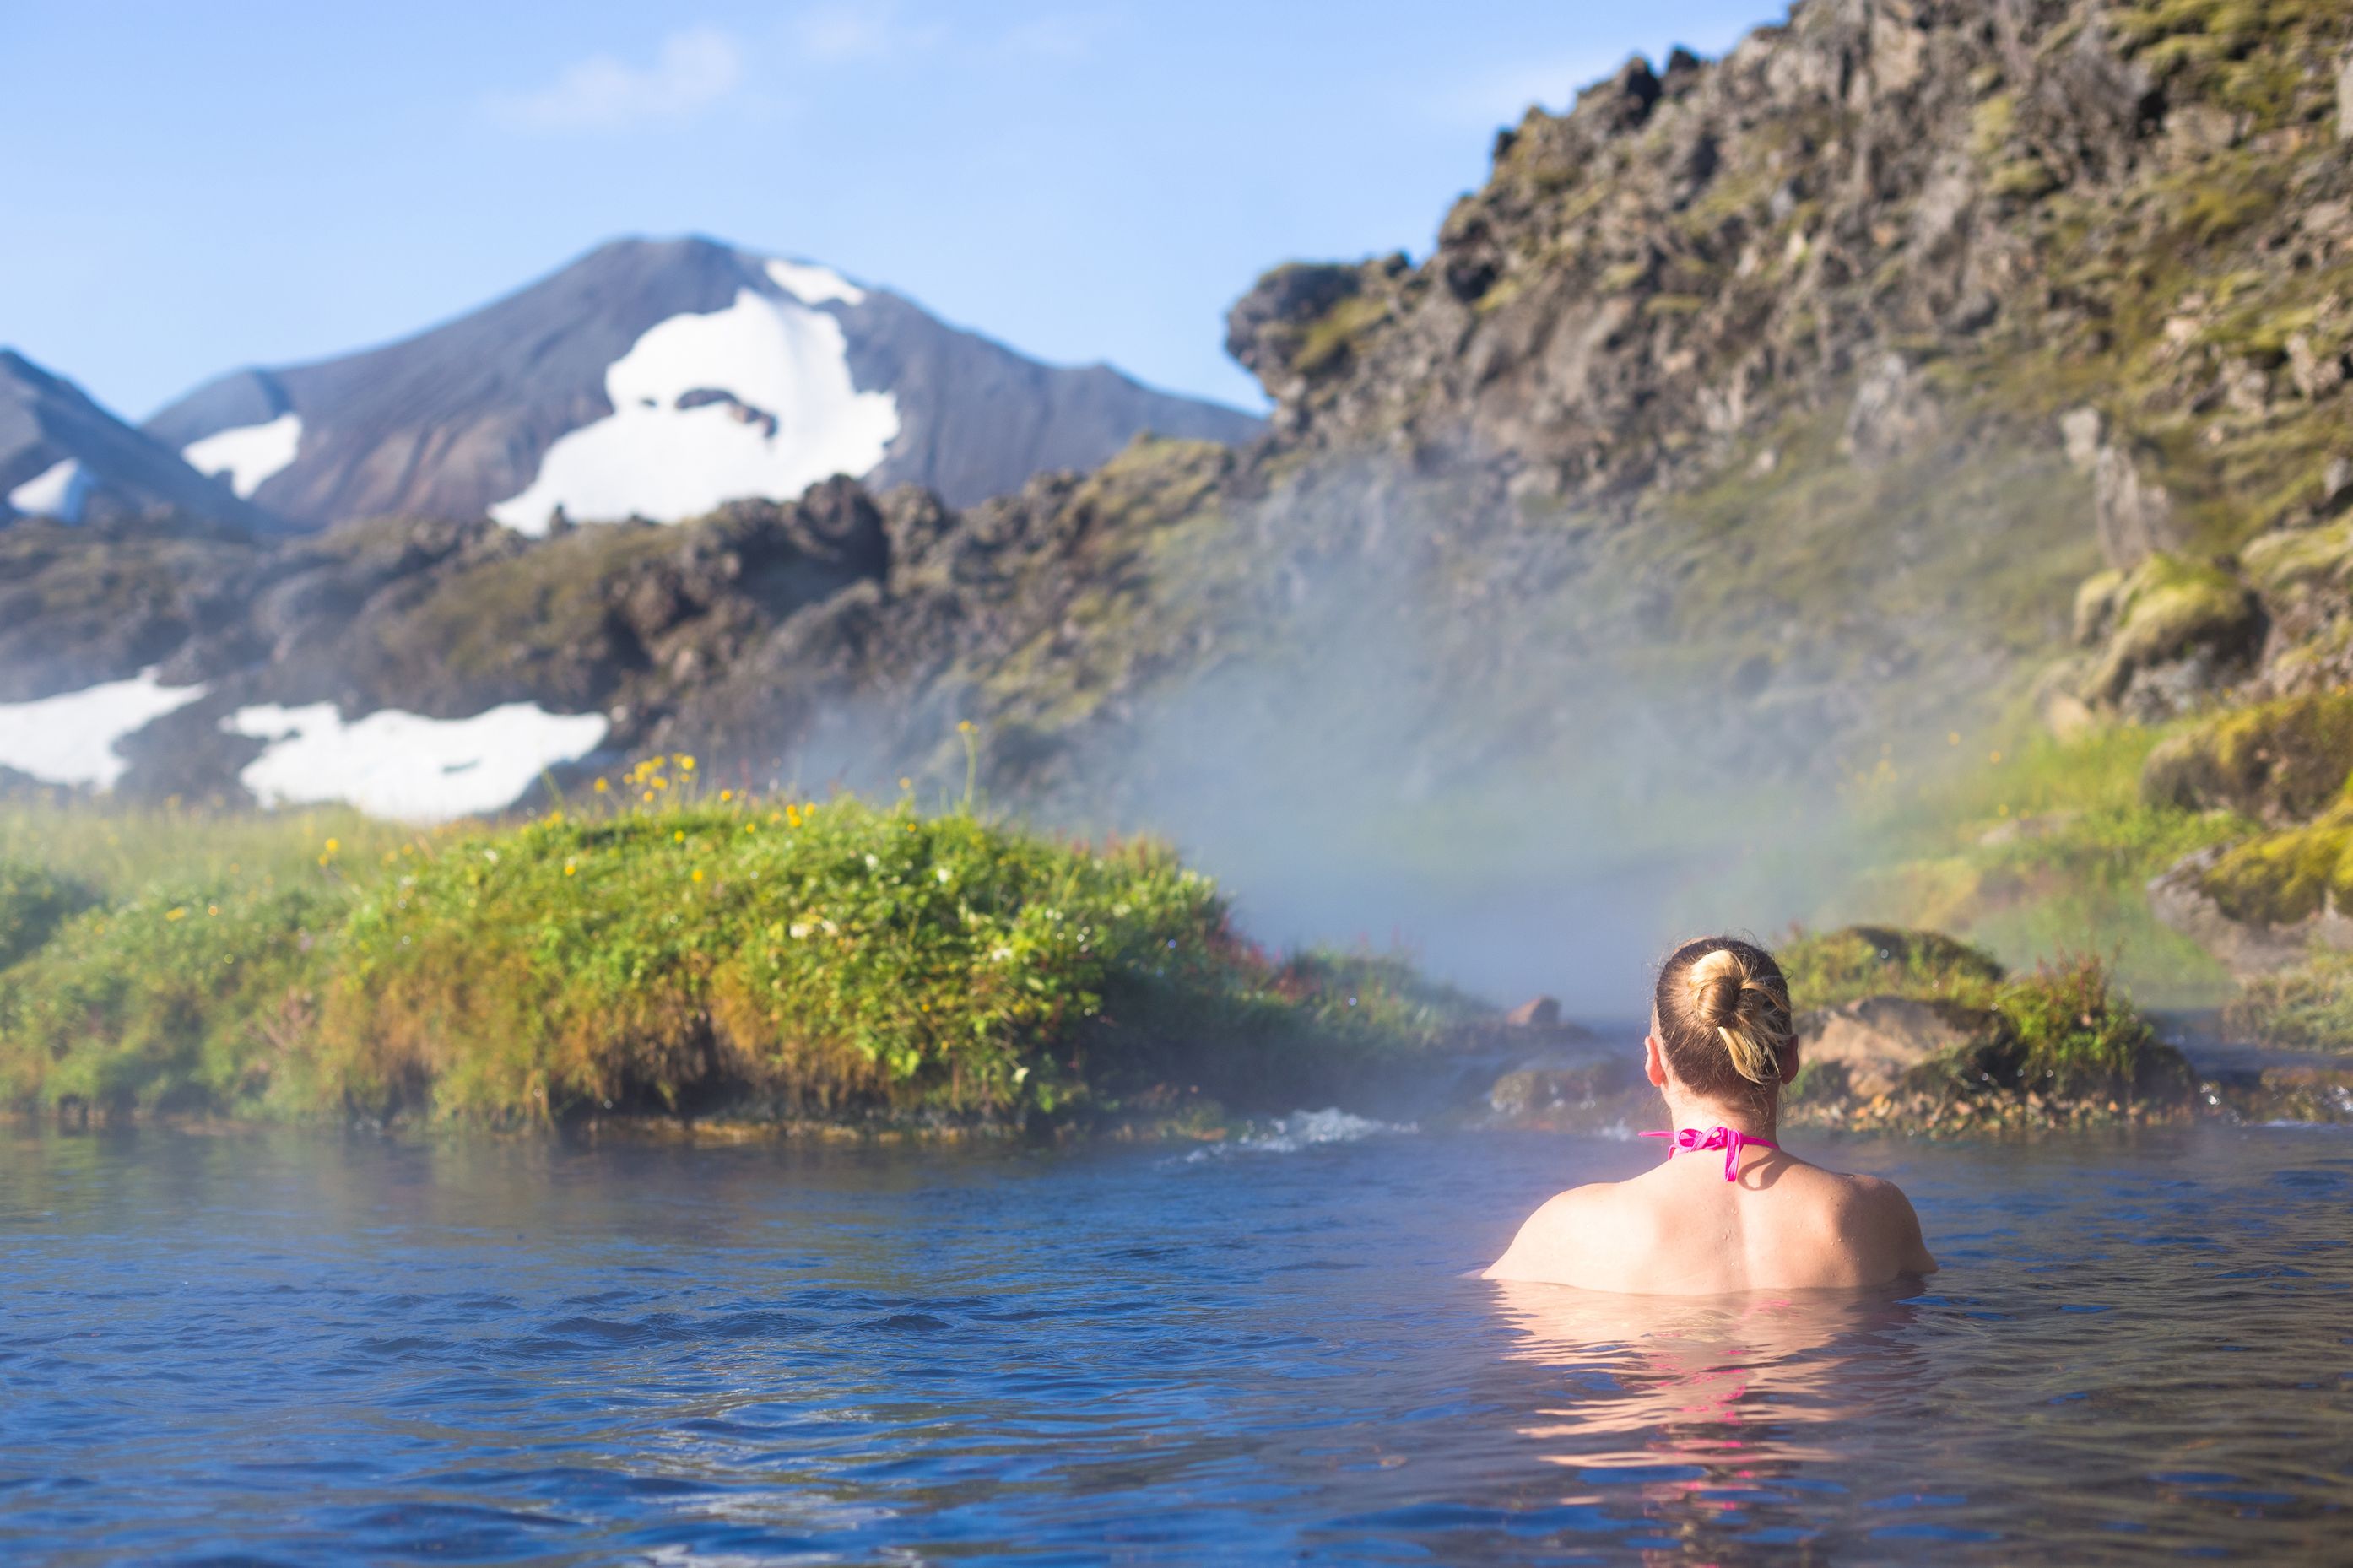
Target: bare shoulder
1565,1219
1873,1214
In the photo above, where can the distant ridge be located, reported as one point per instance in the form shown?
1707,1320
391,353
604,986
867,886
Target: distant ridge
660,378
63,456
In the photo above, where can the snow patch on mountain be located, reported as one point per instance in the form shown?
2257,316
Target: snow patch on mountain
754,400
70,739
248,453
405,766
59,490
814,285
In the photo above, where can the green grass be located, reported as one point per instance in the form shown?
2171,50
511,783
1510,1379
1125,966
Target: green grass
2039,850
118,848
839,960
2309,1007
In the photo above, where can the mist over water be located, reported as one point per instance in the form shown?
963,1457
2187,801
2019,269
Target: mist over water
1524,796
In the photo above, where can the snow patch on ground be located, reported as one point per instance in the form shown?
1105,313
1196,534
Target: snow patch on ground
405,766
790,417
248,453
1302,1129
70,739
814,285
59,490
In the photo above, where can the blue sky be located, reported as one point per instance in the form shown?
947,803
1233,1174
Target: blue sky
186,189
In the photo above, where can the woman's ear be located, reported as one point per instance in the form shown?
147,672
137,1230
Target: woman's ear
1654,1062
1791,1062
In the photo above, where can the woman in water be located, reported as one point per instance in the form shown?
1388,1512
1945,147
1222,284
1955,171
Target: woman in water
1752,1216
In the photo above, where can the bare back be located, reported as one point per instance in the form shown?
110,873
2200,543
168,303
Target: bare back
1683,1230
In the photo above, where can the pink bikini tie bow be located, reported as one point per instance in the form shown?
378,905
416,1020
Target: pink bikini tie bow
1731,1140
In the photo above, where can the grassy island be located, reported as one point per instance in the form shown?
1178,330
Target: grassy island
688,952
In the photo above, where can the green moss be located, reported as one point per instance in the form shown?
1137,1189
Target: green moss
2167,608
1330,339
2267,59
2281,761
2280,879
2095,603
2301,557
1619,277
1828,968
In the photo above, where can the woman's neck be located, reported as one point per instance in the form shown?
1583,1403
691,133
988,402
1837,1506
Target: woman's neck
1700,1114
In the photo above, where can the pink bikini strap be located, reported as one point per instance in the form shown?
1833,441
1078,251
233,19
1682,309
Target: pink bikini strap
1731,1140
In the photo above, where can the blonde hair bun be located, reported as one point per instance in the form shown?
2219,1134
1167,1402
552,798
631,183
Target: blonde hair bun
1729,993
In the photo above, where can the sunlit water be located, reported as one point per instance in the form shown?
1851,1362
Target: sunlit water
305,1350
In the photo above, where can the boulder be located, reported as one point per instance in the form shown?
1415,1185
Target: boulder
1537,1093
1536,1012
2262,906
1876,1042
2280,762
2173,630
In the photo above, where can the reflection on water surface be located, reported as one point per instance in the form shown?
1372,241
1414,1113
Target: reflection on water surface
311,1350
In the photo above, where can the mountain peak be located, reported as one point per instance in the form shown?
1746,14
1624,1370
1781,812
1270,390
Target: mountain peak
661,377
62,456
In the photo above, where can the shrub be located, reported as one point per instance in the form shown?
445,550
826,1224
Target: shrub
183,998
2079,1039
788,958
1829,968
34,902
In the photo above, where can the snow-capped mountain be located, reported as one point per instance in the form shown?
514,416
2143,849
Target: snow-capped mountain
659,379
64,457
